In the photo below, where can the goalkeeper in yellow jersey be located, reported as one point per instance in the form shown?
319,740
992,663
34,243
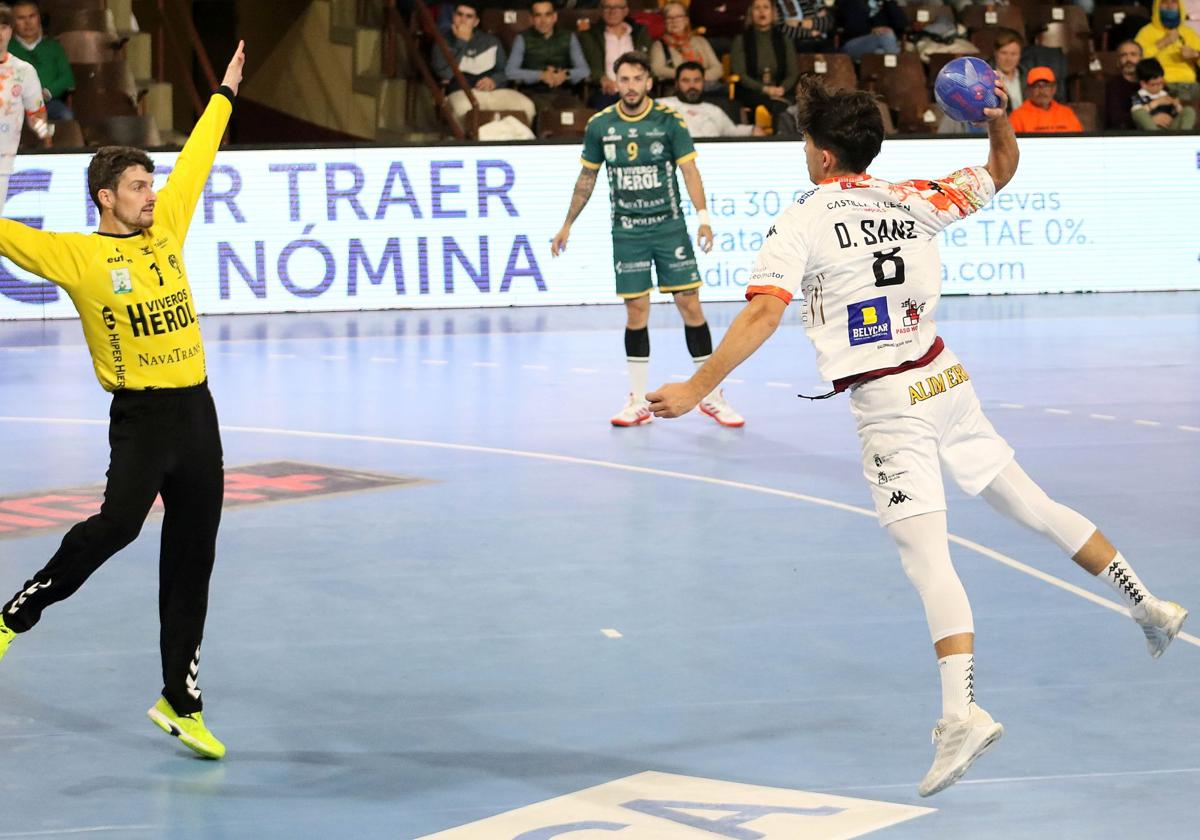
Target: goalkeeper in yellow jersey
130,286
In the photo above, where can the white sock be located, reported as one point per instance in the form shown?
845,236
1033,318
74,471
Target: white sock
639,374
699,361
958,684
1124,582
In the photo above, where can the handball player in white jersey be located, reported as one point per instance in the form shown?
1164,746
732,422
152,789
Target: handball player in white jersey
862,252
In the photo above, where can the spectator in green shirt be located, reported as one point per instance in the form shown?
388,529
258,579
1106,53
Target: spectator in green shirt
46,55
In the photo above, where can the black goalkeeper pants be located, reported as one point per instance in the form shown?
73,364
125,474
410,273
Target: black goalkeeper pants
162,442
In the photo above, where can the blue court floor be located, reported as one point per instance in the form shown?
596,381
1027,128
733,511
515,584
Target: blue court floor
558,605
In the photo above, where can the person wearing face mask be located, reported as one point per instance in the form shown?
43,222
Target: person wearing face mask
1176,47
1119,90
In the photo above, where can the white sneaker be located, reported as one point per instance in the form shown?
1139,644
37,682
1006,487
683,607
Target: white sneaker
1160,621
635,413
714,406
957,743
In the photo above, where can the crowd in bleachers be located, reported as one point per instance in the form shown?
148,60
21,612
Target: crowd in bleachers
90,94
731,66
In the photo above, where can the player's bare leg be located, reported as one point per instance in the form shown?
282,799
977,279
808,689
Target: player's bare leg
699,344
965,731
637,359
1015,494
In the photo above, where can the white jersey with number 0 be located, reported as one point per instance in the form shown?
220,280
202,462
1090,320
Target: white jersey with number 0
863,254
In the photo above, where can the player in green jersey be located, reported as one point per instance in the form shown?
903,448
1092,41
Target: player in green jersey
643,142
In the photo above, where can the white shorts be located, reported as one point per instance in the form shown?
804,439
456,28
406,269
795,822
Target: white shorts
914,424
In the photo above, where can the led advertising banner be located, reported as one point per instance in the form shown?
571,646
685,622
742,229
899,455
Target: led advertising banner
468,226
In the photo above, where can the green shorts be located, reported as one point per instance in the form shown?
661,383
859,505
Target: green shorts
669,252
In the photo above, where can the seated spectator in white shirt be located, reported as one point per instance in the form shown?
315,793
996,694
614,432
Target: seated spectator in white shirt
703,119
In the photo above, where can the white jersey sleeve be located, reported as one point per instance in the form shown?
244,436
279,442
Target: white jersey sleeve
862,253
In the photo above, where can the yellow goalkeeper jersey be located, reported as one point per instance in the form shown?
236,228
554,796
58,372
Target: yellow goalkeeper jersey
132,291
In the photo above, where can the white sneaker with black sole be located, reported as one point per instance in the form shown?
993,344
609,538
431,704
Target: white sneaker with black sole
1160,622
957,744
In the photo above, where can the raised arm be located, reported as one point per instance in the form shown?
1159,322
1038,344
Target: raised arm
54,256
584,184
1003,153
177,200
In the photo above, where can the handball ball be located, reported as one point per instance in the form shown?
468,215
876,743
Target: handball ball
964,87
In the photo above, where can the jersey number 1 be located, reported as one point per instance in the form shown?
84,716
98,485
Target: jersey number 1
154,266
882,260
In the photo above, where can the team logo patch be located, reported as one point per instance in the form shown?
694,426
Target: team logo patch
657,148
122,283
869,321
610,151
110,321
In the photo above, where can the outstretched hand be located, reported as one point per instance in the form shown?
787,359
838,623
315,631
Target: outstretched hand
673,400
233,73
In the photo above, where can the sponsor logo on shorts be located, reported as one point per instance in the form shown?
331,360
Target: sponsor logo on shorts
631,267
869,321
884,477
880,460
898,498
939,383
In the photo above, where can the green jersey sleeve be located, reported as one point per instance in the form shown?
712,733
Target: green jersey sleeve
593,153
682,147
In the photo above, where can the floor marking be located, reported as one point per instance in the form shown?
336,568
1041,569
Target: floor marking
281,355
84,830
434,362
1147,422
991,554
1188,428
780,385
735,381
1102,416
611,633
485,364
535,367
584,370
384,359
1047,778
1011,405
335,358
1056,411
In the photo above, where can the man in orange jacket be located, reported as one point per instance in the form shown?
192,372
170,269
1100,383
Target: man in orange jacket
1039,113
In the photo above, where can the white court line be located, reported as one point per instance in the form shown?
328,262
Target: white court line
780,385
991,554
434,362
485,364
281,355
1188,428
1056,411
1003,780
535,367
334,358
379,359
1011,405
91,829
611,633
584,370
1102,416
1147,422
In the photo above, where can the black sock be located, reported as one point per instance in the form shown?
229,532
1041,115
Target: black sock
637,343
699,340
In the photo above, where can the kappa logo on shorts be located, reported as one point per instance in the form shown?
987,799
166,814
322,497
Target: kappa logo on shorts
869,321
898,498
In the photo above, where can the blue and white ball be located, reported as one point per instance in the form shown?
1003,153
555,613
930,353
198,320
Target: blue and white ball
964,87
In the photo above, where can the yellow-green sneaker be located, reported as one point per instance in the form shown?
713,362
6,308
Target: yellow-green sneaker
189,729
6,637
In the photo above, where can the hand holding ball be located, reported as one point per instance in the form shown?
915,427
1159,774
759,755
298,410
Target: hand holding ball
964,87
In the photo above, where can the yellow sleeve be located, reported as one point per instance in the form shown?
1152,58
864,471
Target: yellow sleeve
55,256
177,200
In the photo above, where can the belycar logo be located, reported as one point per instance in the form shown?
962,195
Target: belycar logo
869,321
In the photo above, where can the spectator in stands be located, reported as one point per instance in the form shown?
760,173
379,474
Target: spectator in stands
871,26
808,23
20,101
1038,54
547,63
1119,90
46,55
480,57
603,45
1153,107
679,45
1040,114
764,62
703,119
1176,47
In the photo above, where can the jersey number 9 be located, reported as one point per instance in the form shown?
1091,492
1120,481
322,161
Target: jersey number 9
632,151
